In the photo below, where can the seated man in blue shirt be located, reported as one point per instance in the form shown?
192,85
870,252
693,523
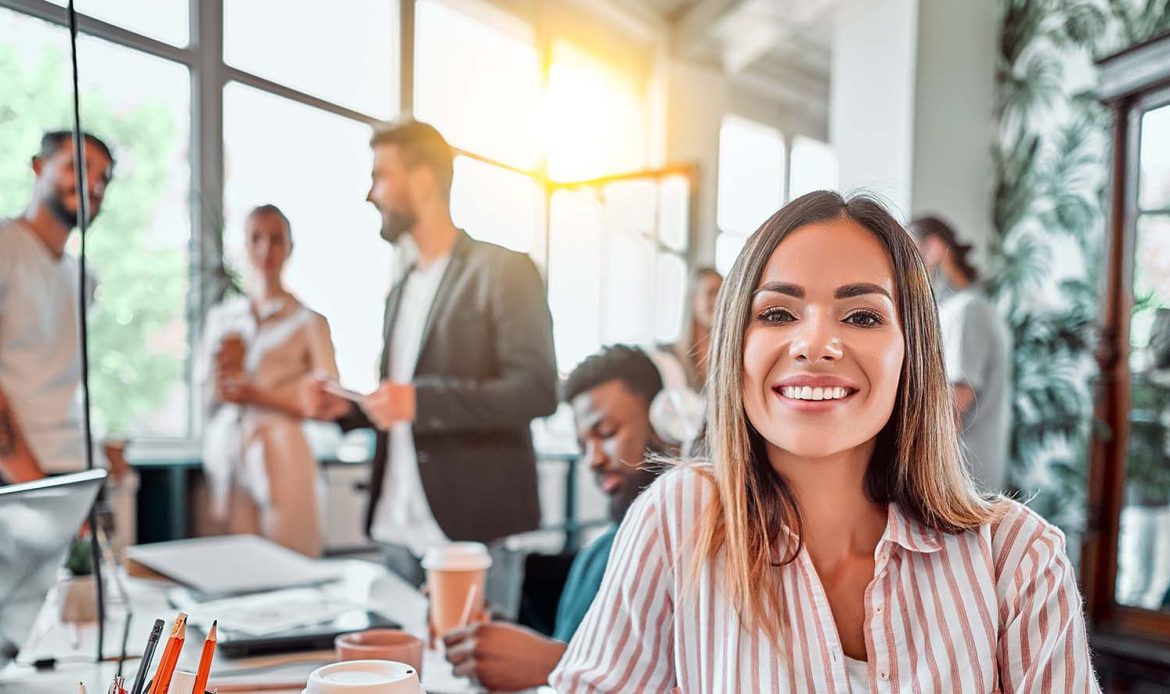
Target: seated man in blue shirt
610,393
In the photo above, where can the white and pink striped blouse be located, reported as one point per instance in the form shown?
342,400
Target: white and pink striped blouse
985,611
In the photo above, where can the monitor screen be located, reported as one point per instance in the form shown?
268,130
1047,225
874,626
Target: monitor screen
38,521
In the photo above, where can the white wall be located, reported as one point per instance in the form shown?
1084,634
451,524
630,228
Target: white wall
953,115
872,97
911,106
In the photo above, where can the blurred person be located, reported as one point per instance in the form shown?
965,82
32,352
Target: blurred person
679,409
692,347
41,424
977,349
257,349
610,393
833,541
467,365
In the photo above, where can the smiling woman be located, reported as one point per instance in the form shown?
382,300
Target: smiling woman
833,541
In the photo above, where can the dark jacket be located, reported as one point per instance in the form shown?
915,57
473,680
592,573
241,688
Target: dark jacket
486,369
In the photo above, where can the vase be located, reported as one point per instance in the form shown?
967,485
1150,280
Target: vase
79,600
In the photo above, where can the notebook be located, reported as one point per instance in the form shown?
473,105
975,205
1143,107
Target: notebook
231,565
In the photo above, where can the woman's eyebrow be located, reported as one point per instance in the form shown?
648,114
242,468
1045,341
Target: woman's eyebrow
781,288
860,289
847,291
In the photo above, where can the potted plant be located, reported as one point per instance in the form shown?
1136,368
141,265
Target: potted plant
79,589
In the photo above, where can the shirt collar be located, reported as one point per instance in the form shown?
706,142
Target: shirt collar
901,530
908,533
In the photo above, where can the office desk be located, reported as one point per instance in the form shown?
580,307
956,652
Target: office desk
75,648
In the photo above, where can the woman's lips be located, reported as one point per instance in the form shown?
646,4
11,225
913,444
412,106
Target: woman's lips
814,399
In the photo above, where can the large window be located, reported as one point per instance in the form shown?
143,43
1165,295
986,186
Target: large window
812,166
757,174
137,249
751,183
165,20
295,127
340,264
346,55
552,142
616,273
477,79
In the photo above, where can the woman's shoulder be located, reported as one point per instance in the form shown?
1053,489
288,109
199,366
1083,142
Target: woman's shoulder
685,481
1020,535
676,499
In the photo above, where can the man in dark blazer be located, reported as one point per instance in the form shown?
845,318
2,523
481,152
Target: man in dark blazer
468,364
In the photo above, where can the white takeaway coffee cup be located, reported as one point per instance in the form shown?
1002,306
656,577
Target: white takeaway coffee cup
364,677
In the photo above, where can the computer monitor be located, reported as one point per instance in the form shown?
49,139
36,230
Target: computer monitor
38,521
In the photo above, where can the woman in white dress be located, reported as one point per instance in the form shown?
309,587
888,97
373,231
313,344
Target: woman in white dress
261,474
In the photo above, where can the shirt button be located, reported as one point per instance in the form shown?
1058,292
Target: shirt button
878,610
884,675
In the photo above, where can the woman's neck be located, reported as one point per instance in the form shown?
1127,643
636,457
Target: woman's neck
838,520
264,289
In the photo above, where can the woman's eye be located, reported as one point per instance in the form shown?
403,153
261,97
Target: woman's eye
776,315
864,319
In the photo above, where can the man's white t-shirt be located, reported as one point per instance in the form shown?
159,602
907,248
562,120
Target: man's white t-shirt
403,516
40,362
977,348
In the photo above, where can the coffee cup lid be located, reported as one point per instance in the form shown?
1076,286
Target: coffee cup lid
457,556
364,677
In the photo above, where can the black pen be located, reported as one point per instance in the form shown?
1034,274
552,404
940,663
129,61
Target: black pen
147,656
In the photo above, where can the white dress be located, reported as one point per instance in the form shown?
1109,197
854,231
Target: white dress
261,451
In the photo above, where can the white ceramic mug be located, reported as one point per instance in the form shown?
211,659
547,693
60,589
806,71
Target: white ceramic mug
364,677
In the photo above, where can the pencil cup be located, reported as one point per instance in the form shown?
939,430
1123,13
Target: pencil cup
364,677
182,682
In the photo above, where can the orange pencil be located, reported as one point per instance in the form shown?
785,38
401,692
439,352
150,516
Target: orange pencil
170,656
204,670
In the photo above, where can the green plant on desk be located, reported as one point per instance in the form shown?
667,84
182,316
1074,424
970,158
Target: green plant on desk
79,562
78,600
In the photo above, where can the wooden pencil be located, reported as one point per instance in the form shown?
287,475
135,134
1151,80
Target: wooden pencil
170,656
204,670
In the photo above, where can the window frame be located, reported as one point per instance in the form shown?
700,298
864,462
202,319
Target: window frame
1132,83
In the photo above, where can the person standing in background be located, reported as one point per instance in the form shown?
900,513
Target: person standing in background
41,425
977,349
679,409
692,347
257,349
468,364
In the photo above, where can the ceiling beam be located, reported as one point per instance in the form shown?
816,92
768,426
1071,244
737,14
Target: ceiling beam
693,28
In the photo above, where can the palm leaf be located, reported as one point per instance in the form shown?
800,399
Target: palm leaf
1084,24
1138,22
1024,266
1029,87
1017,184
1021,25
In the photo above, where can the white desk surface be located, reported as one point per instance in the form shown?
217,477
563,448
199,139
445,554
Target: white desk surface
74,648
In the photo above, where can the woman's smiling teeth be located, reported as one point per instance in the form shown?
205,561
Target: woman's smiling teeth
809,393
